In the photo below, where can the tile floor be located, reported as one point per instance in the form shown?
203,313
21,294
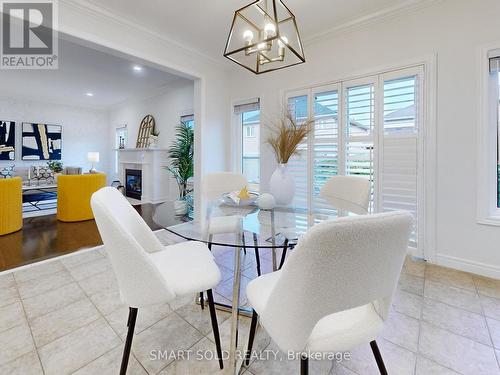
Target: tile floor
65,317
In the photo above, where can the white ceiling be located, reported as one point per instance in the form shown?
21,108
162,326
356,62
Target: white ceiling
204,24
82,69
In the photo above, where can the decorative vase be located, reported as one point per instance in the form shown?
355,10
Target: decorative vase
153,141
282,185
180,207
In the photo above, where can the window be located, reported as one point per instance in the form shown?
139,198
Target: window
367,127
488,188
188,119
495,103
121,135
248,132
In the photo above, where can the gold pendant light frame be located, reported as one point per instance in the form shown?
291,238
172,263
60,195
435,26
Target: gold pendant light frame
262,47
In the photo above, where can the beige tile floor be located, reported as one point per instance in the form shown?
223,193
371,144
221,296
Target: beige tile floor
65,317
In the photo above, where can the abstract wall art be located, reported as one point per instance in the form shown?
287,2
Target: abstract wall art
7,140
41,141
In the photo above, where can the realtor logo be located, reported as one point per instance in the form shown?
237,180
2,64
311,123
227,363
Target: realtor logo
29,34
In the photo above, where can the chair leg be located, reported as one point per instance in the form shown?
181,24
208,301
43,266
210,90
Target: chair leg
378,358
251,337
215,327
304,365
283,254
202,301
257,256
132,315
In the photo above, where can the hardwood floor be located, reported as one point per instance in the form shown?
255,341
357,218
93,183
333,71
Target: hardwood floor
45,237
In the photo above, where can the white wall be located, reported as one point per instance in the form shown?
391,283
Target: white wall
166,107
83,130
452,29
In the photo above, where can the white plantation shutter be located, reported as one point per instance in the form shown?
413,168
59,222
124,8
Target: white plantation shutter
298,164
360,124
367,127
325,143
399,188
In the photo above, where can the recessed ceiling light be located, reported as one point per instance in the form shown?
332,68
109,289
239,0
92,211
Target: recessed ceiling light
137,68
89,94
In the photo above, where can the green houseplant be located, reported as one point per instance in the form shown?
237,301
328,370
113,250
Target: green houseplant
55,166
181,162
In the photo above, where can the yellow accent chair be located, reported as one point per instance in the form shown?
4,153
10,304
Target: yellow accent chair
11,205
73,195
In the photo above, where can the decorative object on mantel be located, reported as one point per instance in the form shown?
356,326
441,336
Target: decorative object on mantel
93,157
286,136
153,138
181,164
266,201
264,37
145,130
56,167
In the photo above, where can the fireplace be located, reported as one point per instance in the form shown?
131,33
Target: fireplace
133,183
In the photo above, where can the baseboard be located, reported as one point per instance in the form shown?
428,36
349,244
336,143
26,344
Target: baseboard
461,264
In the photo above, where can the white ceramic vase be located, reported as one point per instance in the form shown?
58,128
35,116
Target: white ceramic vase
282,186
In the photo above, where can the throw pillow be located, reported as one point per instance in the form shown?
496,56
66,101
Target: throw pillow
7,172
43,174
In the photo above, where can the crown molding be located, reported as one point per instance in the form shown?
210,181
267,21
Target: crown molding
369,19
87,7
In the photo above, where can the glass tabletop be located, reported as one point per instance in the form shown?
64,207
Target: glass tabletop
276,228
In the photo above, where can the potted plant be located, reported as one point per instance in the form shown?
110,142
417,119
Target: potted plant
181,163
56,167
285,138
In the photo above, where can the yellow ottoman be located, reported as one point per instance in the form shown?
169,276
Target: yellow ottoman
73,195
11,205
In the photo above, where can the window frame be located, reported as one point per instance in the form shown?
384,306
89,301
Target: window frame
487,211
237,134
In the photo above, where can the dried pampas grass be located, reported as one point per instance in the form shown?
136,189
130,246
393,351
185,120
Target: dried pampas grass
286,135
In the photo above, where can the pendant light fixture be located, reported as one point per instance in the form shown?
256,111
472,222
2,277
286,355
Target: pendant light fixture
264,37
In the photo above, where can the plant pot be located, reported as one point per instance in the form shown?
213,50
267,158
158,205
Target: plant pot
180,207
282,185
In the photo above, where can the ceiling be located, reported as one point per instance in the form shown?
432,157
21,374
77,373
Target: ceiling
204,24
111,79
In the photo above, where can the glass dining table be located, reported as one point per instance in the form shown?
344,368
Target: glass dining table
275,230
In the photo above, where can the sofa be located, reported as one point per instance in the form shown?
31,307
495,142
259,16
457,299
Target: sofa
73,195
11,209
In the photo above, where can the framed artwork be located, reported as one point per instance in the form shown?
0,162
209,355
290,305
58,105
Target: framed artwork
7,140
41,141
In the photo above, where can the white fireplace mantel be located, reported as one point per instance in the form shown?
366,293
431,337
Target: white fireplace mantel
151,162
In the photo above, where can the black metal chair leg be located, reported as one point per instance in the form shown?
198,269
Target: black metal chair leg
251,337
202,301
132,315
283,254
257,256
215,327
378,358
304,365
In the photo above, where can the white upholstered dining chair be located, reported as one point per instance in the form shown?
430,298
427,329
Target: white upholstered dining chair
350,193
344,273
147,272
213,186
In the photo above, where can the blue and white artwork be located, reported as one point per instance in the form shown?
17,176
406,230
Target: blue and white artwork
7,140
41,141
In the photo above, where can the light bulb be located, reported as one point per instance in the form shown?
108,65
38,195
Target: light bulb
270,29
248,36
282,41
